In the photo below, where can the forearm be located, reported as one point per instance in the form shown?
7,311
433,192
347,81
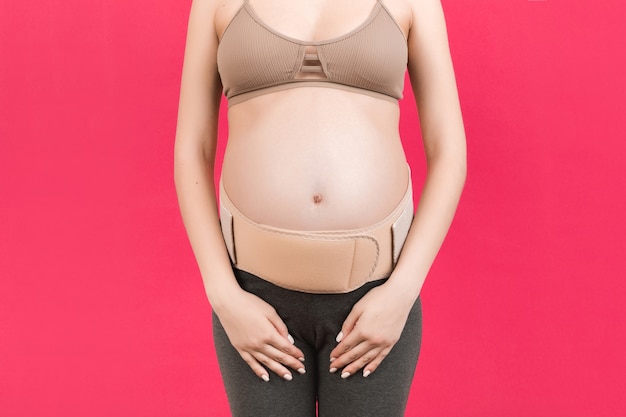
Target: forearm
194,180
438,202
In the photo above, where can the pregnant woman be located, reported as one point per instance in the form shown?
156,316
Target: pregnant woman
314,256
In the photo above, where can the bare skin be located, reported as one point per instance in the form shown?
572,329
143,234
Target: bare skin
304,158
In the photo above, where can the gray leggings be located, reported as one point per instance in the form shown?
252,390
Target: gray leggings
314,321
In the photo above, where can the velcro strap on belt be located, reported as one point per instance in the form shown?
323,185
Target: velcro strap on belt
319,264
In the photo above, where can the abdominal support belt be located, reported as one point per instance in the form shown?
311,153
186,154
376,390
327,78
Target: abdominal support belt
334,261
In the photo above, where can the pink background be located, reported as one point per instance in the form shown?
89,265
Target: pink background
102,309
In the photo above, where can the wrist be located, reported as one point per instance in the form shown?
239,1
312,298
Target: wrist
223,296
404,286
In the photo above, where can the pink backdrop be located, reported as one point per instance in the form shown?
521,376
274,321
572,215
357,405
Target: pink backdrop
102,309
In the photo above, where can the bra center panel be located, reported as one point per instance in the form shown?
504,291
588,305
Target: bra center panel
312,66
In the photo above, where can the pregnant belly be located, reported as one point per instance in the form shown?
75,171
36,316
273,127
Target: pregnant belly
320,168
349,187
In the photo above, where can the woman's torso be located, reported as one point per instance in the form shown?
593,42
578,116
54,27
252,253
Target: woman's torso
314,158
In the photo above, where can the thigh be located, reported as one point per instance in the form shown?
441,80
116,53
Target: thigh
250,396
385,391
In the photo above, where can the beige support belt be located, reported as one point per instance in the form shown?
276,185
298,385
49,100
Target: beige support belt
335,261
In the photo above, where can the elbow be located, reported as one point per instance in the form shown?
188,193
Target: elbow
451,156
462,166
449,159
459,162
190,161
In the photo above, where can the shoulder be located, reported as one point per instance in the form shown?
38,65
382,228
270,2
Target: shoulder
426,16
223,13
213,15
401,11
408,13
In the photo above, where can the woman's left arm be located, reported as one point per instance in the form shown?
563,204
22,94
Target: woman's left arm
375,324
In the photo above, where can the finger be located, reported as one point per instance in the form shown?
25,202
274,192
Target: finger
360,363
283,358
347,344
375,363
350,356
279,324
356,355
284,345
256,367
273,365
348,325
282,330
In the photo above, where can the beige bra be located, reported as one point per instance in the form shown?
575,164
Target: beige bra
253,59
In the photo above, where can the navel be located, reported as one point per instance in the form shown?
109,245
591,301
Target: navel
317,198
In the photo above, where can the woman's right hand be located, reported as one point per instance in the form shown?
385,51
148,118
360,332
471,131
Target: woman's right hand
260,336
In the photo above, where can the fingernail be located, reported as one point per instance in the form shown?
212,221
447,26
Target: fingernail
333,370
345,375
288,377
339,337
366,373
301,359
290,338
332,359
265,378
302,371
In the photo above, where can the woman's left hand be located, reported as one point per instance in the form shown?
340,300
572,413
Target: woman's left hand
370,331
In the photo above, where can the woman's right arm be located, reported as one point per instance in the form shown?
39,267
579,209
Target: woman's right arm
252,325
